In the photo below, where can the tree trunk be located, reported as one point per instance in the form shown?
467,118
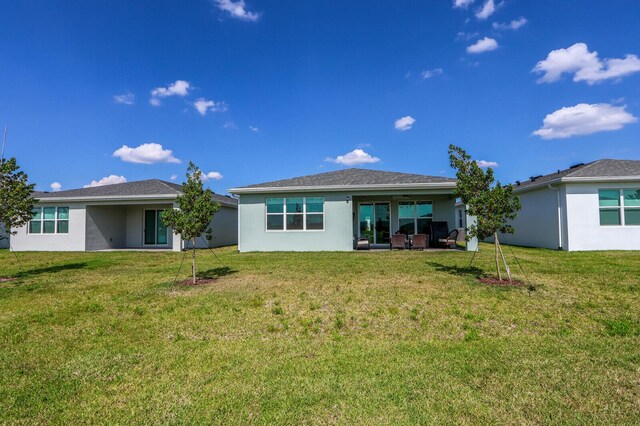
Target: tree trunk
495,240
504,260
193,261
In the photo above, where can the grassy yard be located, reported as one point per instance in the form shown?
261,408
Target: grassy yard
319,338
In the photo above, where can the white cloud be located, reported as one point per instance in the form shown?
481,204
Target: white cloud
254,129
487,10
203,105
210,176
404,123
237,9
513,25
466,36
484,163
229,125
584,119
56,186
462,3
432,73
585,65
126,98
355,157
178,88
173,177
147,153
485,45
108,180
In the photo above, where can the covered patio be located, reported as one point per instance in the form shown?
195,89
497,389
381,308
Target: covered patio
392,220
128,226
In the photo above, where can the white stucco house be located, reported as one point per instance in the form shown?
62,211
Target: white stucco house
593,206
119,216
331,211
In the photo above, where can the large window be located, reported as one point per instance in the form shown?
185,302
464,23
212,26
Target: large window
295,214
619,206
49,220
414,217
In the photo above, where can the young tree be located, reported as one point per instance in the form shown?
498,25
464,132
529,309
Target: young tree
16,200
196,209
493,205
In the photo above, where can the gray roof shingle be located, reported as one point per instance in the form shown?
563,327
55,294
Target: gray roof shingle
149,187
353,177
605,168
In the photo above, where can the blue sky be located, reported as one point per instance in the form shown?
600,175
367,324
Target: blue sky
262,90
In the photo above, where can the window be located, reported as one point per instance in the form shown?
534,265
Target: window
295,214
407,218
631,202
619,207
414,217
461,218
49,220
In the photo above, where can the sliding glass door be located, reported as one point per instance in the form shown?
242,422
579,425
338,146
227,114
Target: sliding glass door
155,232
375,222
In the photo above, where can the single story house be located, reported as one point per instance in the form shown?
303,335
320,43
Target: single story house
593,206
329,211
119,216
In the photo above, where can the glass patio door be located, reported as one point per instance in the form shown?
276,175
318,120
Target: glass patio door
375,222
155,232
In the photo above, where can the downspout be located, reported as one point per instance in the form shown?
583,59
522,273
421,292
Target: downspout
559,215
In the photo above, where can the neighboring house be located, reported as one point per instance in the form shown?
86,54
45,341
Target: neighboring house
120,216
594,206
328,211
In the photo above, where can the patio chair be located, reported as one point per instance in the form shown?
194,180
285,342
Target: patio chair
398,241
439,229
450,240
419,242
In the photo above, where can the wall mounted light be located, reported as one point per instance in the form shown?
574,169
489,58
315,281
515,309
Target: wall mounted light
348,198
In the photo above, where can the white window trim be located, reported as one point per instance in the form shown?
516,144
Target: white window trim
55,221
415,213
620,207
284,216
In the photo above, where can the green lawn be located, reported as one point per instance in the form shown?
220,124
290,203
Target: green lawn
320,338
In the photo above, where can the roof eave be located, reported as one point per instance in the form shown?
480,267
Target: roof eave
602,179
339,188
569,179
109,198
161,197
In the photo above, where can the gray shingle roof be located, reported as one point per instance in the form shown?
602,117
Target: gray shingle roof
606,168
353,177
609,168
142,188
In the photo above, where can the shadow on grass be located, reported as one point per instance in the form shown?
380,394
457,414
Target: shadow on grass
51,270
458,270
213,273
